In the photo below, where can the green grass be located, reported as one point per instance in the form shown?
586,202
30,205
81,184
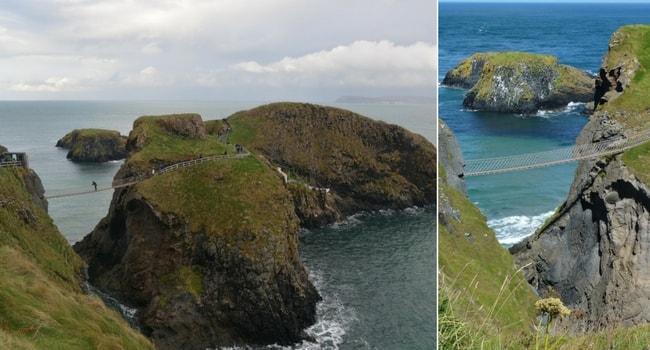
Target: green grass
480,280
464,69
533,61
41,302
163,146
221,196
631,108
638,159
634,43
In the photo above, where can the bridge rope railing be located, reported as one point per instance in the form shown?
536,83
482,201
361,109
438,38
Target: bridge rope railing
486,166
144,176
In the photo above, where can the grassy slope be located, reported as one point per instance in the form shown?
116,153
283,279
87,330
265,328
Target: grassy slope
480,282
237,189
634,102
41,303
169,148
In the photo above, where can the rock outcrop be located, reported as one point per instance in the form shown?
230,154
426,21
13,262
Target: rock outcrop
452,160
366,165
595,251
207,254
94,145
519,82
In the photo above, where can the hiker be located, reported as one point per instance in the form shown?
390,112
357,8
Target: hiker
95,185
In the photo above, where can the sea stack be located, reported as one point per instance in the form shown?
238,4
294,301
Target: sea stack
519,82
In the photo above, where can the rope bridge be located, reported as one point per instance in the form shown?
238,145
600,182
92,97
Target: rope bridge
137,178
476,167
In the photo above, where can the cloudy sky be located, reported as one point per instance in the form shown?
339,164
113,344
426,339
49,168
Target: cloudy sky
216,49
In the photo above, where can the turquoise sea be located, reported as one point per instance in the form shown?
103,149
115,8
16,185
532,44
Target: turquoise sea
577,34
375,271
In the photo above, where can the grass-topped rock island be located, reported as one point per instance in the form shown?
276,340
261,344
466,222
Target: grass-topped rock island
519,82
93,145
208,253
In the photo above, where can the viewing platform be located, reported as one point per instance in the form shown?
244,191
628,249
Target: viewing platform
14,159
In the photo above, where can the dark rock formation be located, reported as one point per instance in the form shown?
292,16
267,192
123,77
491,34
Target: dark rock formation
203,271
519,82
35,188
94,145
452,160
367,165
595,250
183,125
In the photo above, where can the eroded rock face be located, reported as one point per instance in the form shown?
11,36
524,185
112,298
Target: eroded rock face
519,82
452,159
91,145
596,250
188,126
195,289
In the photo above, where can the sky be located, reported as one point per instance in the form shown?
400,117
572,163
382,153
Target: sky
231,50
552,1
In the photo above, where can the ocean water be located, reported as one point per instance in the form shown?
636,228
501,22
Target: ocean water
516,203
375,271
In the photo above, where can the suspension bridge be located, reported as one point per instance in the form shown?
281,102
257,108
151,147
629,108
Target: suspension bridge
144,176
486,166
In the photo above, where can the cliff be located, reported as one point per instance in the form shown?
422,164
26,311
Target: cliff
483,298
519,82
207,254
94,145
42,296
365,165
594,250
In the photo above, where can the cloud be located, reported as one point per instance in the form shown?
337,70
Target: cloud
150,77
151,49
114,46
49,85
361,63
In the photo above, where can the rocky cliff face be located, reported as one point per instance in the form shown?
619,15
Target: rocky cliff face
207,254
519,82
94,145
366,165
595,251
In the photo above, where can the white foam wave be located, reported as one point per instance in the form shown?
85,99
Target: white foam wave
333,321
512,229
571,107
350,221
334,318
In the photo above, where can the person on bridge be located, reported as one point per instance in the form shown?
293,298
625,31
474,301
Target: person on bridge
95,185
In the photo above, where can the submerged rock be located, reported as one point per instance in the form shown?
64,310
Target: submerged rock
94,145
519,82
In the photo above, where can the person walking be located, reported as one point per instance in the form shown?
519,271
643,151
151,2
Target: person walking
95,185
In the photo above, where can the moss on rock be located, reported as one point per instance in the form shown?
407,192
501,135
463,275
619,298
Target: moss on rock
94,145
519,82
